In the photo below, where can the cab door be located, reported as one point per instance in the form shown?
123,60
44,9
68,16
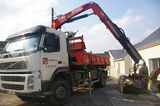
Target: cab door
51,55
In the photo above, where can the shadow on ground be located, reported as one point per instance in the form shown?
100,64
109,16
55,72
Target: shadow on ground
129,89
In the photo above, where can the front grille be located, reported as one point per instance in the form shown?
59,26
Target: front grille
14,65
13,78
13,87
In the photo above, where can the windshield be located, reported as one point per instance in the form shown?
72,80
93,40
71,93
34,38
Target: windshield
23,43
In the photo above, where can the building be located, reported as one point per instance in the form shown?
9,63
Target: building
118,59
149,48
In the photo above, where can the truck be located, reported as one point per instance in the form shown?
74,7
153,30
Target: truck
44,61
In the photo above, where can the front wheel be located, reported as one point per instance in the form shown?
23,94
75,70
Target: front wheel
60,92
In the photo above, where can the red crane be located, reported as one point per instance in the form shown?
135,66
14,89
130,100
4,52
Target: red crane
117,32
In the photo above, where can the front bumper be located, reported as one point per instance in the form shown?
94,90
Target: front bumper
31,94
18,84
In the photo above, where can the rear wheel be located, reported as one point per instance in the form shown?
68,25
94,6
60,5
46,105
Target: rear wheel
102,82
60,92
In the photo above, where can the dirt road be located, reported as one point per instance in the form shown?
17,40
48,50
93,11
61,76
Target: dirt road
107,96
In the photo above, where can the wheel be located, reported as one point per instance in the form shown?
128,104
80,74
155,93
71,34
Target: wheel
60,92
102,82
23,98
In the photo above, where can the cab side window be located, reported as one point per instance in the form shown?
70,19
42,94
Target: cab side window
55,44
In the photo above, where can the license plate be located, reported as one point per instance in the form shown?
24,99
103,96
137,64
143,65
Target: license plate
11,92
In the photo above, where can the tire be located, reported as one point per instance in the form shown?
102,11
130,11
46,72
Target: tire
60,92
102,82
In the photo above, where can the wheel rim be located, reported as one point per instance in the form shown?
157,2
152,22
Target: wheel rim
60,92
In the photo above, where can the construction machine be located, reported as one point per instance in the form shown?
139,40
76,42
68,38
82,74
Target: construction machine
117,32
44,61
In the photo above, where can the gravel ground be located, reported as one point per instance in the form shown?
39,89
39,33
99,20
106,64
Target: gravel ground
107,96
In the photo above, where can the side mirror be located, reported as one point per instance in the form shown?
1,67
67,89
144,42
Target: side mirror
51,39
49,43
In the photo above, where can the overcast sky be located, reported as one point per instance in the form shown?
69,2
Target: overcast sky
138,18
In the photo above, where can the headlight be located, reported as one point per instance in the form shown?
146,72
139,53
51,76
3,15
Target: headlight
31,82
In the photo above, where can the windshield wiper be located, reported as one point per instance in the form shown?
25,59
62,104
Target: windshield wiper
10,55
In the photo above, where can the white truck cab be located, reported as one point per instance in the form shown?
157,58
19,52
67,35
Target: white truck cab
38,62
30,59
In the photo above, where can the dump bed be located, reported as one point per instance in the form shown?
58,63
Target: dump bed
77,50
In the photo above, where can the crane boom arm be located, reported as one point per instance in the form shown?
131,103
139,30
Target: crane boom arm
113,28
